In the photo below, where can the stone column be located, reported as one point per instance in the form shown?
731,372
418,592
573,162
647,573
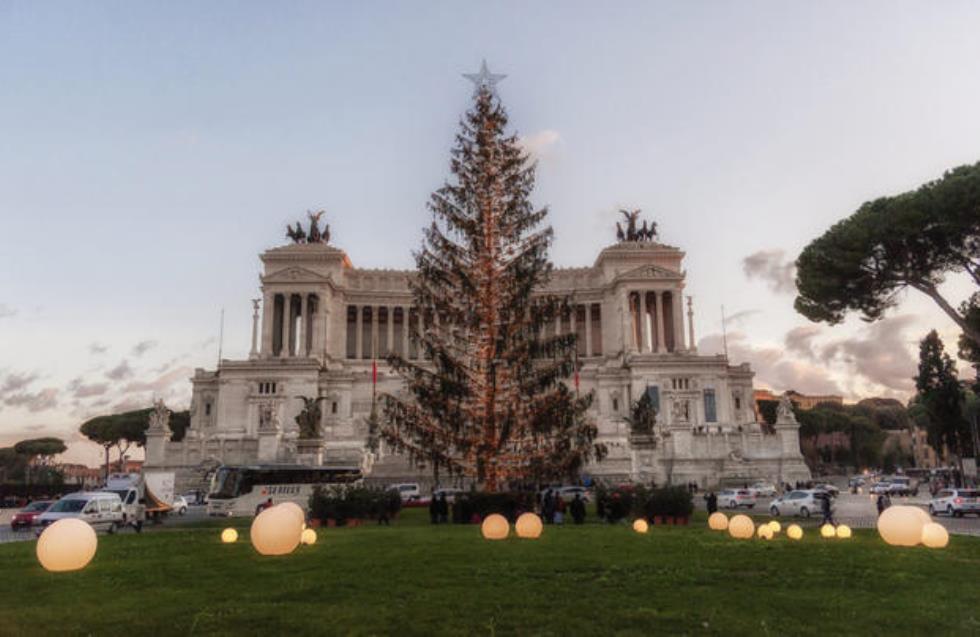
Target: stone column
676,299
375,324
661,346
284,330
268,318
325,331
588,329
391,328
645,344
692,344
627,322
301,332
406,329
359,336
254,352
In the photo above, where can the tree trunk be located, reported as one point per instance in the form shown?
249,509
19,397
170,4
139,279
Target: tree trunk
930,290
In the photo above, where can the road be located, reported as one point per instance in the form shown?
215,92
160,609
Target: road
193,514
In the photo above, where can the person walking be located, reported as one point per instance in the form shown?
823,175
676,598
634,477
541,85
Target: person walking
559,509
434,509
711,501
548,507
443,508
577,509
827,510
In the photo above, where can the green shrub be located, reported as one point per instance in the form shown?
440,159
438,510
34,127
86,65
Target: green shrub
345,502
509,504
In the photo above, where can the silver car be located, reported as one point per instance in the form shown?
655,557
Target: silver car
955,502
802,503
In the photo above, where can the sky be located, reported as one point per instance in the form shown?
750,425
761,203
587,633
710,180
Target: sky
150,151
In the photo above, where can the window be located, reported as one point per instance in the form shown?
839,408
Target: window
710,412
333,407
267,388
207,409
738,402
654,393
615,404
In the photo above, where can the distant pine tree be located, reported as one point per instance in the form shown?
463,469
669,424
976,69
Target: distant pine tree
488,402
939,391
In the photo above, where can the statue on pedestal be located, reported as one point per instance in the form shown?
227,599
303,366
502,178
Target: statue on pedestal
315,235
784,412
309,419
632,232
159,417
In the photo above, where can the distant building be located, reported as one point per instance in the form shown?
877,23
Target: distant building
79,474
802,401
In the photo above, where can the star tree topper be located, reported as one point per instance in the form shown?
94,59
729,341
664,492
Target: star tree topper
484,79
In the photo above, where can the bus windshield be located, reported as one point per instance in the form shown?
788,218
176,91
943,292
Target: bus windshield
225,483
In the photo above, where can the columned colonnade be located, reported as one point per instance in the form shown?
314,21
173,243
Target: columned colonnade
656,321
293,325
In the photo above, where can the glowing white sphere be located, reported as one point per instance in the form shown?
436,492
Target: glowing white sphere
775,526
495,527
296,510
794,532
308,536
276,531
640,525
902,525
717,521
741,527
229,536
764,532
843,531
528,526
67,545
828,531
935,536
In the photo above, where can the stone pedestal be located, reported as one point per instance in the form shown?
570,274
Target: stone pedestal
309,451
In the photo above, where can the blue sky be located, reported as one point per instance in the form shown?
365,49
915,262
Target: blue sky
148,152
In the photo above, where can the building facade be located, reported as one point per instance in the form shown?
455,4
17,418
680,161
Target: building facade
321,323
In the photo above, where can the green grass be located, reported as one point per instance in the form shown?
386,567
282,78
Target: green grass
413,579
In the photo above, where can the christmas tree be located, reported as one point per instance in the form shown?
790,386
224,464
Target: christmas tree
488,402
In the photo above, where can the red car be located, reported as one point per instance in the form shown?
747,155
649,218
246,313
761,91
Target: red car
25,517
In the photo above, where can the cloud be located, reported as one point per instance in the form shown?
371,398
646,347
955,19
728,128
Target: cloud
79,389
122,371
34,402
799,340
539,144
17,381
880,353
162,382
143,347
97,348
6,311
771,267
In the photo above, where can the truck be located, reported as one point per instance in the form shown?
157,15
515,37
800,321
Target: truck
147,495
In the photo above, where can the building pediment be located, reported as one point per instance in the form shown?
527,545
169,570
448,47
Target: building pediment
649,272
297,274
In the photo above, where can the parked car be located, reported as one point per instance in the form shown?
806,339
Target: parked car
828,488
568,493
734,498
955,502
195,497
27,516
901,486
450,492
802,503
763,490
409,491
856,481
880,488
103,510
180,505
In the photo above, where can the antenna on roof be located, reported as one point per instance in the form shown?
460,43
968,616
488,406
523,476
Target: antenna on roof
724,331
221,336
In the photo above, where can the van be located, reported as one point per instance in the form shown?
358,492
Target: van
102,510
408,491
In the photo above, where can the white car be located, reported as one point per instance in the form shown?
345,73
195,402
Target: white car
180,505
734,498
568,493
880,488
408,491
802,503
450,493
955,502
102,510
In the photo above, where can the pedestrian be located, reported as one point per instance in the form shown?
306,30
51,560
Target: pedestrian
600,507
577,509
880,503
434,509
825,508
711,501
559,509
443,508
263,506
548,507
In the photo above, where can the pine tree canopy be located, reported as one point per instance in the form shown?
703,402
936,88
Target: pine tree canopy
488,402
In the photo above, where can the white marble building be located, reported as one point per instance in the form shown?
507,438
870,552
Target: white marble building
320,320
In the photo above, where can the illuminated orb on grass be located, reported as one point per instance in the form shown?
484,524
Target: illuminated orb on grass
640,525
741,527
844,532
775,526
935,536
308,536
717,521
296,510
495,527
764,532
902,525
276,531
229,536
528,526
67,545
828,531
794,532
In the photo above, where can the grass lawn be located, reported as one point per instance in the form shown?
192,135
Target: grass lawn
414,579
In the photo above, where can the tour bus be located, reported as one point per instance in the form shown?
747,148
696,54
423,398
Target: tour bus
239,490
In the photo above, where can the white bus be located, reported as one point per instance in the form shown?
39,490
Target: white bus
239,490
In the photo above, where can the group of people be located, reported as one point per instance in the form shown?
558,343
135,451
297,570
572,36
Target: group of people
553,507
439,509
